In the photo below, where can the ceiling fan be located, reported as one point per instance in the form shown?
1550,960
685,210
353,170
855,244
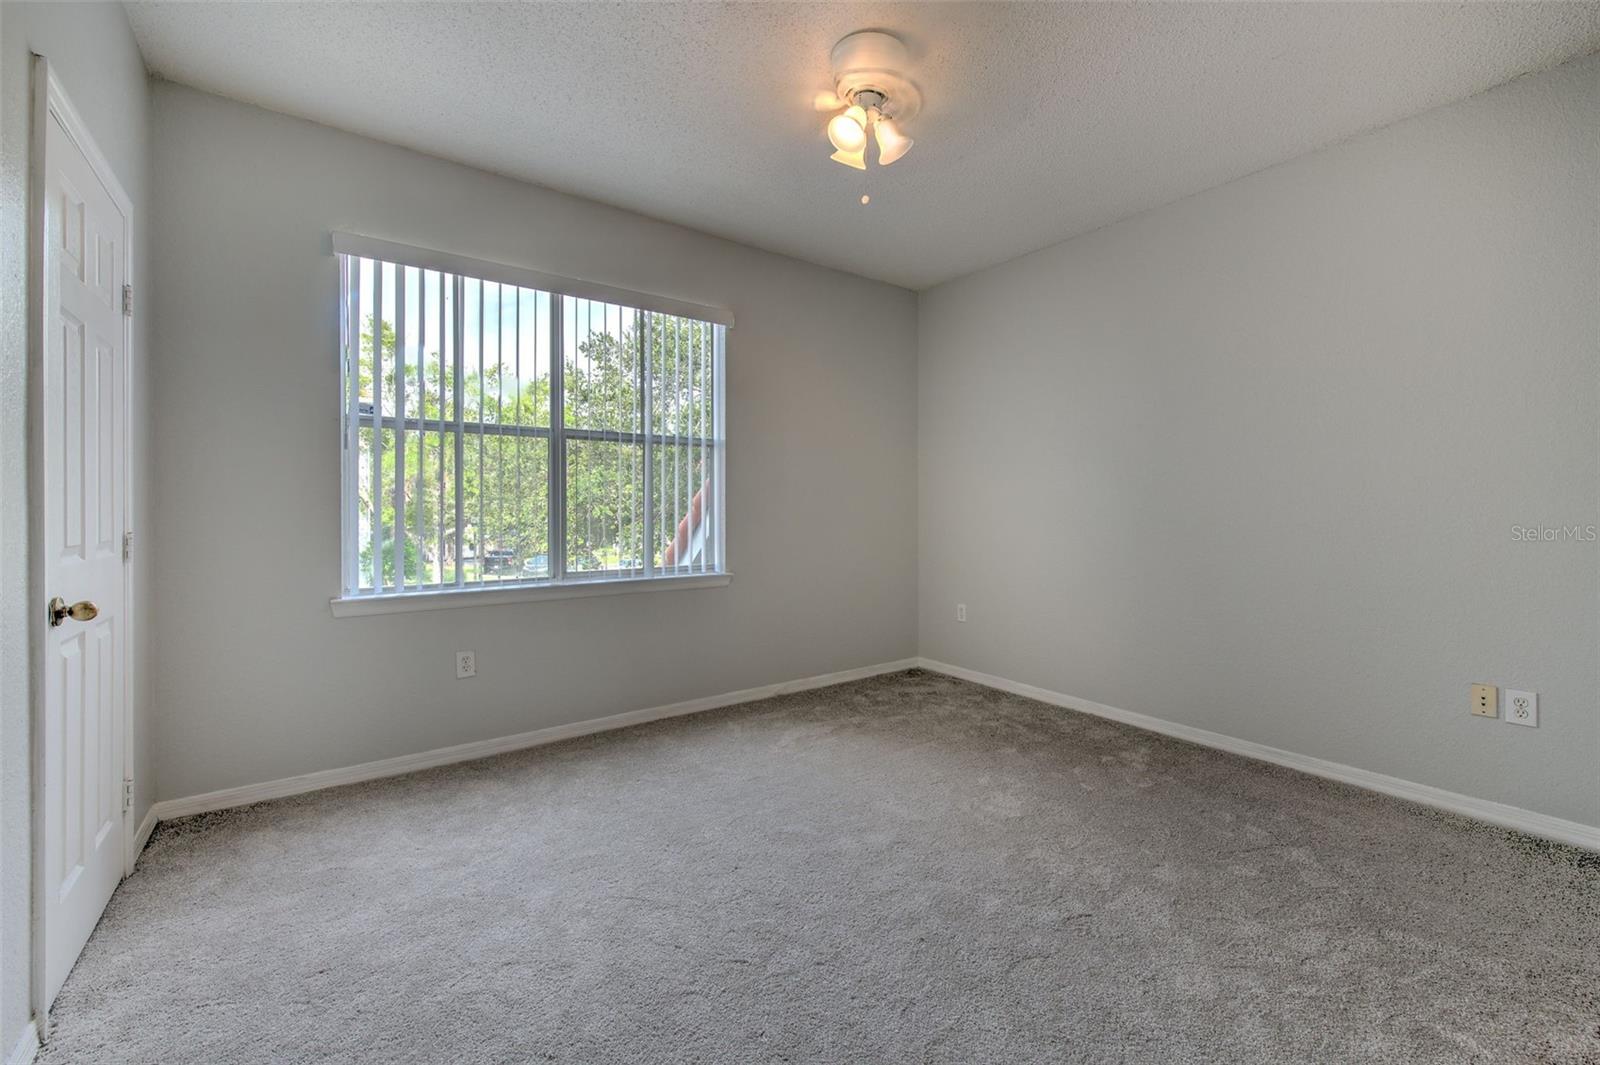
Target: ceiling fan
876,94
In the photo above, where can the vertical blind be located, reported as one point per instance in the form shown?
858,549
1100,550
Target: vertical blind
498,433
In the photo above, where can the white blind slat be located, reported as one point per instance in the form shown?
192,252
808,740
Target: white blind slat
378,363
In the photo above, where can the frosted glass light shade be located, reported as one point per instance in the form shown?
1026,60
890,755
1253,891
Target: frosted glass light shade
892,144
857,158
848,131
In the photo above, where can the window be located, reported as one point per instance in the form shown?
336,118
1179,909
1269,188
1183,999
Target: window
506,428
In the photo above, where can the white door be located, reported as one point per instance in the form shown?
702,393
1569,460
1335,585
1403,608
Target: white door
83,495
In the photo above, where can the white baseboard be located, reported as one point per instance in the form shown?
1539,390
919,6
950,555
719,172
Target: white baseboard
463,752
142,836
1535,824
27,1047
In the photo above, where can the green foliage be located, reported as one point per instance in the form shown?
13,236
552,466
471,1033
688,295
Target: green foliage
413,562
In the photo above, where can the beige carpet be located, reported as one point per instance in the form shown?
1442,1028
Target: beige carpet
906,869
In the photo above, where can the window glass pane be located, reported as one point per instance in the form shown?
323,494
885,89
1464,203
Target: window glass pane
681,362
682,501
365,490
441,558
681,359
605,506
361,276
506,342
426,516
505,534
429,502
430,379
526,358
385,302
379,529
601,377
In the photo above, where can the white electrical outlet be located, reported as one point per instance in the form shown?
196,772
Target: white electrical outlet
1522,708
466,664
961,611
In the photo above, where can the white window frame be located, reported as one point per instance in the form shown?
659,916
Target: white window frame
354,602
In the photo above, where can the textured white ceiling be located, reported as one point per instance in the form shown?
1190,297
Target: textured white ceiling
1041,121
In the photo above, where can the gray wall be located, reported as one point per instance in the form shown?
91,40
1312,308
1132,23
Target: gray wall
1251,462
256,679
96,60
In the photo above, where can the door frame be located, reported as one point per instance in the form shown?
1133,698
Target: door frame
51,103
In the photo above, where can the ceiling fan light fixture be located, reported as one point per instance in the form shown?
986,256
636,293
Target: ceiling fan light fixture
857,158
848,131
892,144
869,74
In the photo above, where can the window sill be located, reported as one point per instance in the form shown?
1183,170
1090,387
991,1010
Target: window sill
453,598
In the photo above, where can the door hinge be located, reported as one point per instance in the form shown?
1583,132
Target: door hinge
127,300
127,794
127,545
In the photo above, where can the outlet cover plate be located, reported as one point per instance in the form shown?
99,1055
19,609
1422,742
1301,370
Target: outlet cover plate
466,664
1483,702
1522,708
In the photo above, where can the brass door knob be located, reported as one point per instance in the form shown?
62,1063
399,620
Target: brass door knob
83,610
